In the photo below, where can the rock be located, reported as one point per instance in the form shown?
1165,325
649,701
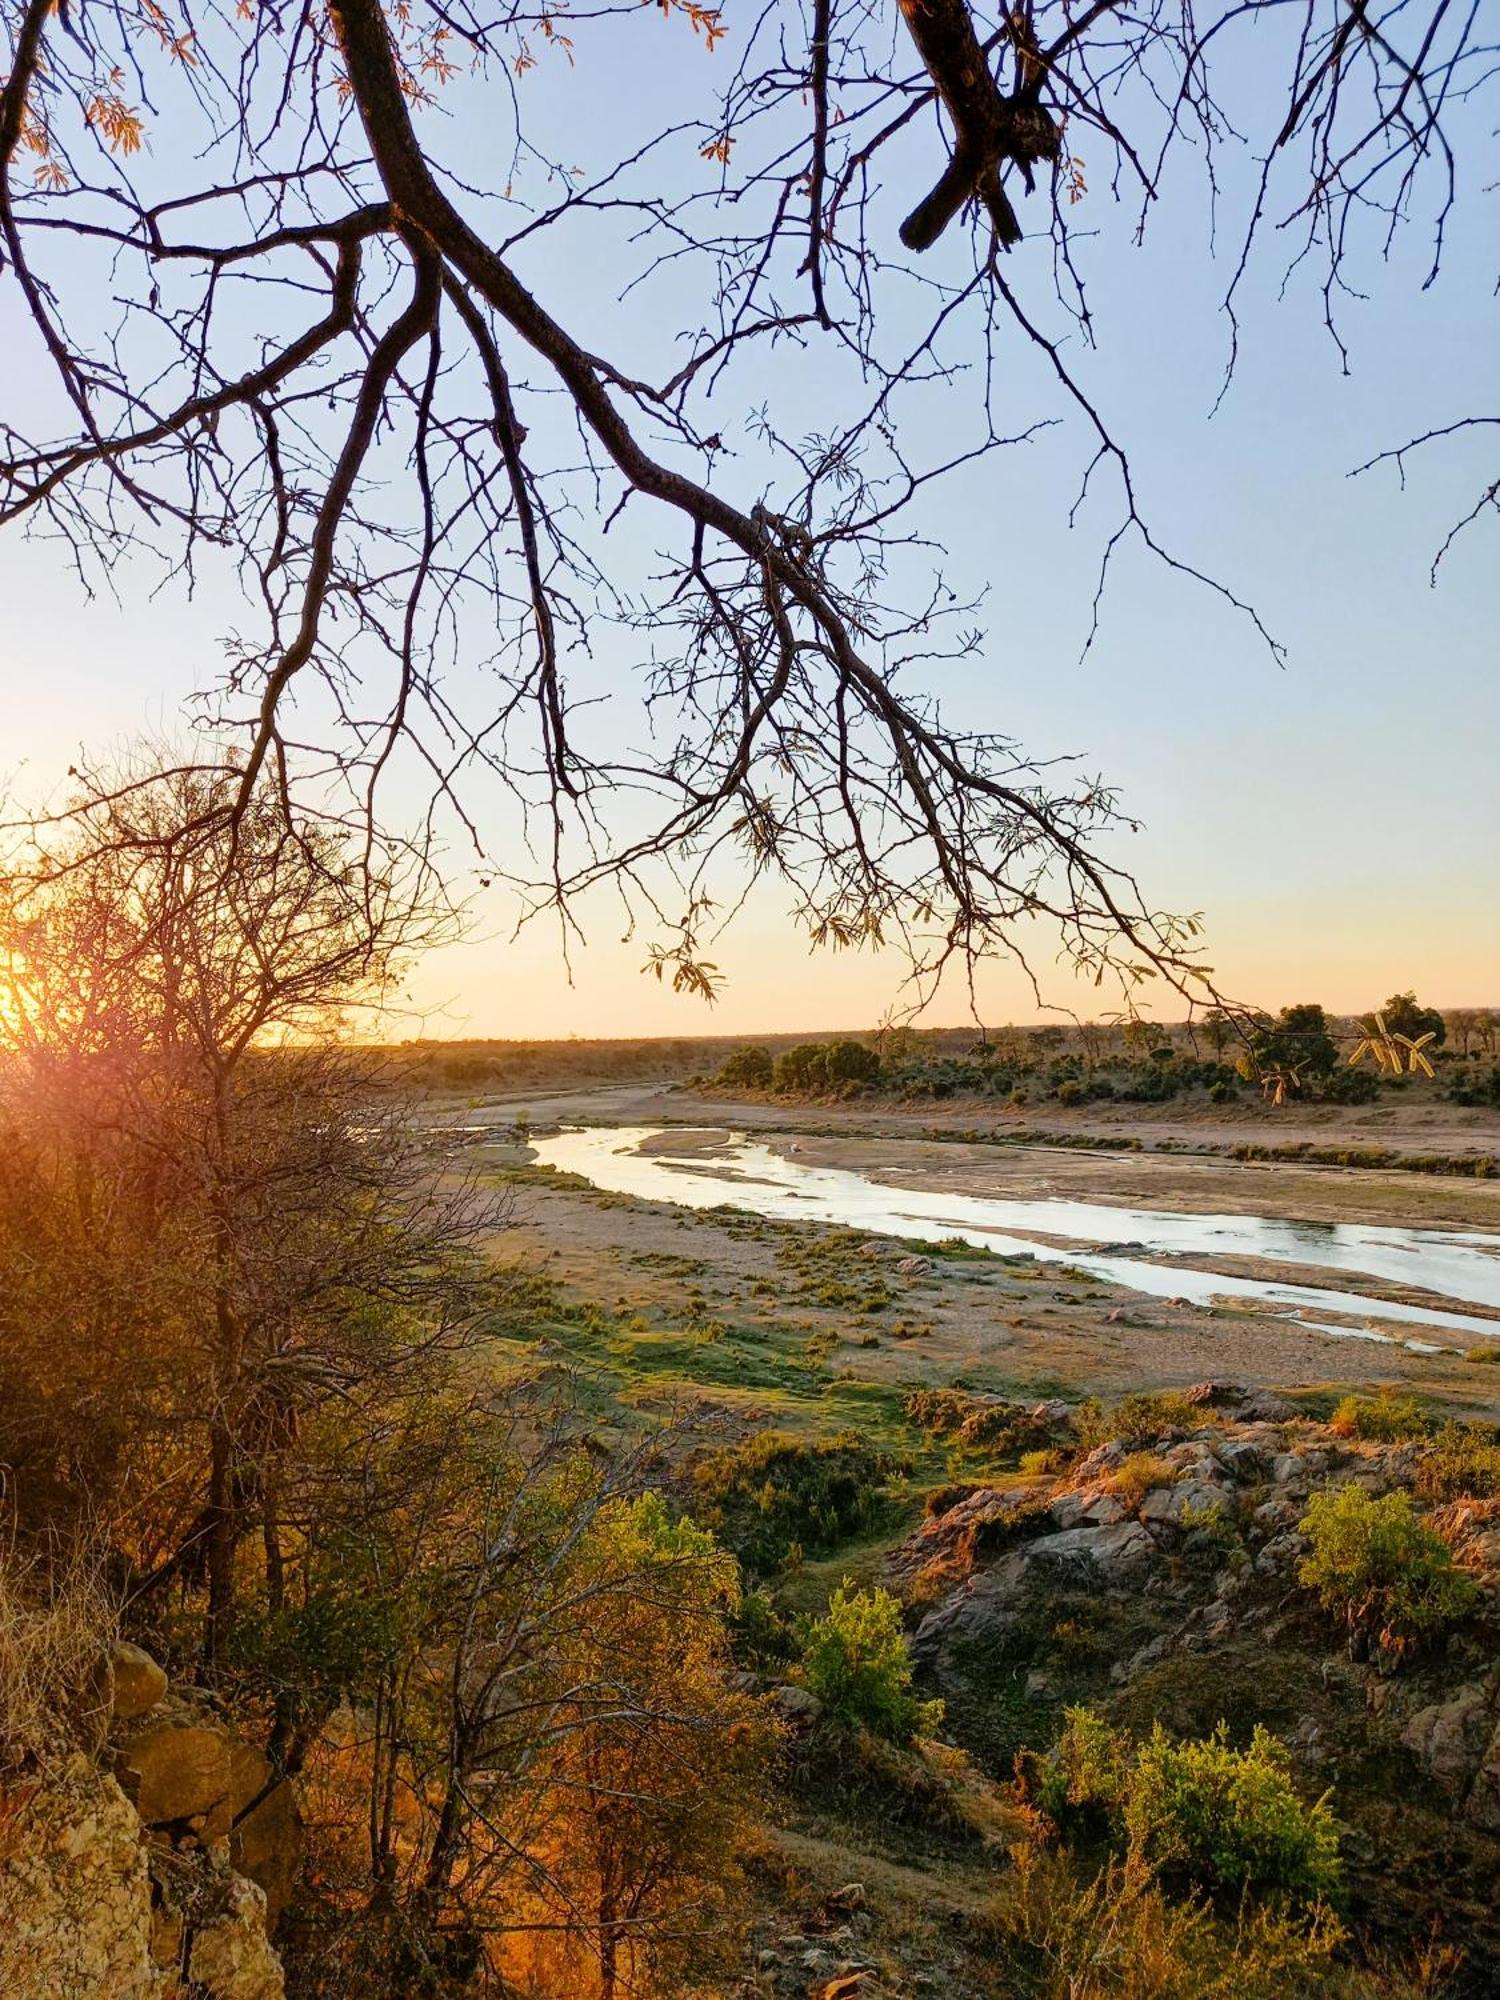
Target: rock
231,1956
1165,1506
136,1682
1242,1460
913,1267
75,1895
1108,1556
176,1770
1103,1459
1053,1415
1450,1739
266,1846
1281,1553
1289,1468
1243,1401
798,1707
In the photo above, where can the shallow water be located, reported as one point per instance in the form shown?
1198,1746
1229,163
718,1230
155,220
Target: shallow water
1453,1264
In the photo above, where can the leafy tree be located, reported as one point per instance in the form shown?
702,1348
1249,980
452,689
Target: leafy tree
1404,1015
174,985
1298,1043
747,1069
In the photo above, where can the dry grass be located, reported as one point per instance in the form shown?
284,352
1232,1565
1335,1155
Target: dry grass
57,1623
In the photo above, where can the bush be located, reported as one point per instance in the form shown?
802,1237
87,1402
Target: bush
1231,1819
760,1635
776,1492
1119,1936
1222,1093
1381,1571
1222,1818
1383,1419
1086,1772
1072,1092
855,1660
1137,1420
1461,1463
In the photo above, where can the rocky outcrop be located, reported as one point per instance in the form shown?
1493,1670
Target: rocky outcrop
1457,1744
153,1870
75,1891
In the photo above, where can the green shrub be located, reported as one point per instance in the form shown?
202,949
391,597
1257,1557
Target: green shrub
1219,1817
1383,1573
1231,1819
1072,1092
775,1492
855,1660
1382,1419
1086,1772
1461,1463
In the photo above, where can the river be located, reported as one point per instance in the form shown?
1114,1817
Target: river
1462,1266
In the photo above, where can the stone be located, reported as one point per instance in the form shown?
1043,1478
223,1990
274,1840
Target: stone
1242,1460
798,1707
136,1682
175,1770
266,1846
231,1957
1450,1739
1111,1556
1242,1401
913,1267
1165,1506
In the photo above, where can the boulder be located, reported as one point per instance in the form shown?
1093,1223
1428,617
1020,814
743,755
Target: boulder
178,1769
1243,1460
1242,1401
797,1707
1165,1506
1107,1557
265,1845
231,1957
136,1682
1450,1739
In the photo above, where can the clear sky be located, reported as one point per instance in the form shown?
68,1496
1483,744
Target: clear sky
1337,819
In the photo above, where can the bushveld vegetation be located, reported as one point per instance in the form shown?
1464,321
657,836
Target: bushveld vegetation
1300,1054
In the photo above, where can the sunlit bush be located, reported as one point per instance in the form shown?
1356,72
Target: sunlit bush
1218,1817
1385,1575
855,1660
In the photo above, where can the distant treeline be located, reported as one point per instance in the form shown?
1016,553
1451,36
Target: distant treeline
1300,1053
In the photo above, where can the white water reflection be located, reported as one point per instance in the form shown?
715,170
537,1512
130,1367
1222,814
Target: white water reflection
1454,1264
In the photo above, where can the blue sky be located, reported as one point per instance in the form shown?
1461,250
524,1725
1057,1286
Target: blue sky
1336,818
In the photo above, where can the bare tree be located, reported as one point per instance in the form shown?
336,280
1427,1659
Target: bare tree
302,334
